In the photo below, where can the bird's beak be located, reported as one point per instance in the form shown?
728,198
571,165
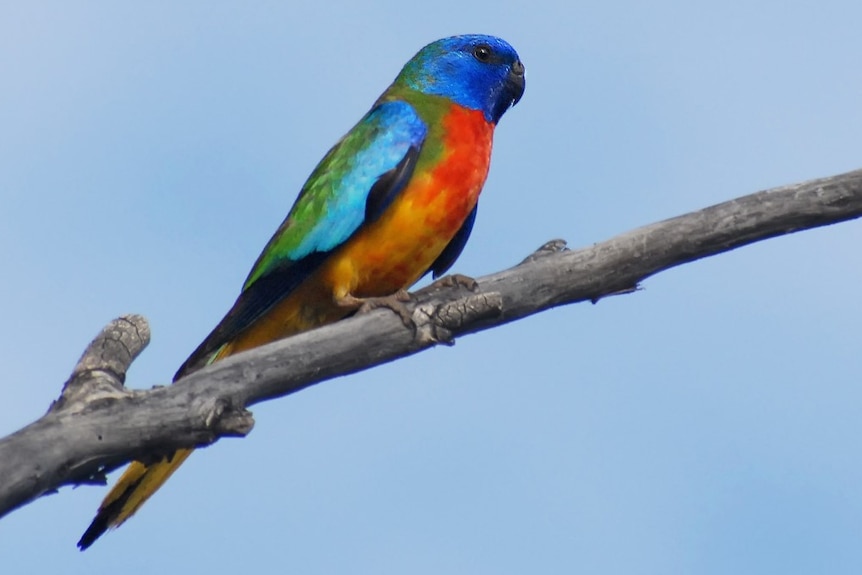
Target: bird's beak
516,81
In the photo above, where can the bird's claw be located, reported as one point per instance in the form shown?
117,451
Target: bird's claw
394,302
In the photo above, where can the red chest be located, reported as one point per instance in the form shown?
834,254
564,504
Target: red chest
394,252
451,188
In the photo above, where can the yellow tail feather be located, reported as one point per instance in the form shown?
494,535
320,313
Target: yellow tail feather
305,309
136,485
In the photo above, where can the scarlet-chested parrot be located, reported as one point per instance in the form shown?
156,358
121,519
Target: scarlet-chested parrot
393,200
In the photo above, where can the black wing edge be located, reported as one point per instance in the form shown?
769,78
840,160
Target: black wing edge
251,304
389,185
456,245
270,289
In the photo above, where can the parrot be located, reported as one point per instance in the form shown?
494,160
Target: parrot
392,201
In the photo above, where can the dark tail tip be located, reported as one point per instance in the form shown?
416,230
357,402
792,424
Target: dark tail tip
96,529
106,516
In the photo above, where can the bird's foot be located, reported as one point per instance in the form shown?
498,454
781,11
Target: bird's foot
394,302
456,280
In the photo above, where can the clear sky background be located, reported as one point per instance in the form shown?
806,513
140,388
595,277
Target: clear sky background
707,424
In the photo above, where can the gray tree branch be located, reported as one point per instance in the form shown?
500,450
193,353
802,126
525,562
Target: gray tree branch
98,424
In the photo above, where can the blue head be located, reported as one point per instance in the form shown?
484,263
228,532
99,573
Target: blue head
475,71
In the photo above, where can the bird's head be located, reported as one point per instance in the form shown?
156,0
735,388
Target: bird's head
475,71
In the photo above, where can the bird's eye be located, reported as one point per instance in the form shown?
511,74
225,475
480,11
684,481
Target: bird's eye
482,52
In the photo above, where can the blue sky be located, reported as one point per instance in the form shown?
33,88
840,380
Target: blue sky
707,424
